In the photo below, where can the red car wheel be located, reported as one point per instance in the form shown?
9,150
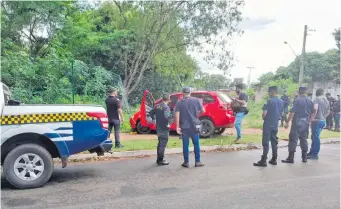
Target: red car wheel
142,130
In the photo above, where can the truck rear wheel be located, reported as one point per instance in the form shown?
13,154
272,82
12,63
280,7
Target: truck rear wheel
28,166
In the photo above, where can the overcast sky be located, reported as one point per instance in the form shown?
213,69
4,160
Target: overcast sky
268,23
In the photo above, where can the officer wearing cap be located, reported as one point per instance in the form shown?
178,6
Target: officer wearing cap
161,112
115,114
272,111
187,112
300,114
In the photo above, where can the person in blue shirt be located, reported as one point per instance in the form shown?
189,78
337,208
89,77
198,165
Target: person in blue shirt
300,114
188,125
162,116
272,111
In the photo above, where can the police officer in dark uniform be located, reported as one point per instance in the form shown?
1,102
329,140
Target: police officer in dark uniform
331,100
300,114
115,115
272,111
286,100
161,112
336,111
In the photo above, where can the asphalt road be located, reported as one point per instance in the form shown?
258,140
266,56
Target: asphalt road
227,181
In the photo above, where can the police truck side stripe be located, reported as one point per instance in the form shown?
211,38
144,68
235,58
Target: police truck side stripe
44,118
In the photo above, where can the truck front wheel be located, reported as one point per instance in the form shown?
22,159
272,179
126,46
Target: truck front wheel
28,166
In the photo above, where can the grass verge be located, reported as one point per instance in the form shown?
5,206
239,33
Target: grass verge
151,144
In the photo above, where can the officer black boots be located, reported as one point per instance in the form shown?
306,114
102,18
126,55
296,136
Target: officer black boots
273,160
160,160
290,158
304,157
262,162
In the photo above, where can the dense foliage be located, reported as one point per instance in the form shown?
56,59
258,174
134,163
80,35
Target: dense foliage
318,66
52,49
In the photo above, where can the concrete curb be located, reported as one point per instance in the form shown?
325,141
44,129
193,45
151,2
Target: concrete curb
148,153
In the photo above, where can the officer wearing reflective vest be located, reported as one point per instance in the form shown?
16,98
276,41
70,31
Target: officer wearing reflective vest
272,111
300,114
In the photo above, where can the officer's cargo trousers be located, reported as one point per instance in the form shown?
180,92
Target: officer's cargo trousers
161,146
299,130
269,134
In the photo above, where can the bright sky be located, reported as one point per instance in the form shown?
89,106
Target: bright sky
268,23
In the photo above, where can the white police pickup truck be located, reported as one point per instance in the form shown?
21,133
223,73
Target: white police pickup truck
32,135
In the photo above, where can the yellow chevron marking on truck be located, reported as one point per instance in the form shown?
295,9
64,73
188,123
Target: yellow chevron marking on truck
44,118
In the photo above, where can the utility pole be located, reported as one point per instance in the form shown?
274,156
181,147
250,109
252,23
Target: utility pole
249,79
300,78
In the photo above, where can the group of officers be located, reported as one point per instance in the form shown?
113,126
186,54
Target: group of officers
303,114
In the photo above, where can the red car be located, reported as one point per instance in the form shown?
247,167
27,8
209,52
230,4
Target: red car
215,120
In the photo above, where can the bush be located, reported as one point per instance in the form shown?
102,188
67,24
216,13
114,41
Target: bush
254,118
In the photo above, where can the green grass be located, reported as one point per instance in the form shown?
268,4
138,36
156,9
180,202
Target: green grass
150,144
324,135
125,127
254,118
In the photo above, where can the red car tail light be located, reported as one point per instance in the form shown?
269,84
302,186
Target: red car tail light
102,117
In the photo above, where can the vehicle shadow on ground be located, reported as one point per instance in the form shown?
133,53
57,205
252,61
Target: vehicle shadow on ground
59,176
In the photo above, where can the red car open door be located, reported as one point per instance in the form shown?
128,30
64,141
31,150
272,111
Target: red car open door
147,104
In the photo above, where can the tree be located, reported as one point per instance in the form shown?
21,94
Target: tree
139,41
32,23
266,77
336,35
318,67
237,81
208,81
163,26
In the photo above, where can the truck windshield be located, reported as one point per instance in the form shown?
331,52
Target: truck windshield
224,97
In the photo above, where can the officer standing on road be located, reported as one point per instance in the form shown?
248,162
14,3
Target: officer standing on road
188,125
286,101
162,113
272,111
300,114
115,114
